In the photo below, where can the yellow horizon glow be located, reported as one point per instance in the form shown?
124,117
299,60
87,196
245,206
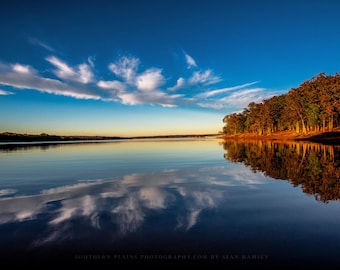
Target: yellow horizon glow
155,132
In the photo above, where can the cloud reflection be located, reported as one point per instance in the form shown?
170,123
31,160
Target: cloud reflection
128,201
129,214
195,202
5,192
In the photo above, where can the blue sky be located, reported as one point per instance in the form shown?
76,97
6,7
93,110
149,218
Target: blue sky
147,67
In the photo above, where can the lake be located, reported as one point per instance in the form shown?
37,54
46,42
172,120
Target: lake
192,201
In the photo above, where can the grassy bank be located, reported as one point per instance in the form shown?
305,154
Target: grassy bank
330,137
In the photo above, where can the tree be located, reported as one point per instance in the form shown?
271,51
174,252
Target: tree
312,106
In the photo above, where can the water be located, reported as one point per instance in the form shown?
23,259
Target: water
170,201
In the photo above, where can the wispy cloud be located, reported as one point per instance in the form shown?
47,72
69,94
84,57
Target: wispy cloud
91,60
190,61
22,77
125,68
234,98
154,98
179,84
82,73
237,100
44,45
130,83
115,86
224,90
5,93
205,77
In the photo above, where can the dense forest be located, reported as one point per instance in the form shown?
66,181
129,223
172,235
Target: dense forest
312,107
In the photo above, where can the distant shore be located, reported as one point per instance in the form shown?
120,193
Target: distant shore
330,137
9,137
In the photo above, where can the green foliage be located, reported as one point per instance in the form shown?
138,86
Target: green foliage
313,106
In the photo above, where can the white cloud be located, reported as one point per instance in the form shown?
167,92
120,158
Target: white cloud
41,44
130,99
204,77
153,97
125,68
150,80
90,60
29,80
82,73
224,90
21,68
85,73
138,88
112,85
190,61
237,100
128,86
244,94
63,71
5,93
179,84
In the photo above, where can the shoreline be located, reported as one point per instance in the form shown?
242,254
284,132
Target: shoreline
328,137
8,138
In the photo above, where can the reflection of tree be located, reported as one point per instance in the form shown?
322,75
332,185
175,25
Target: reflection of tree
314,167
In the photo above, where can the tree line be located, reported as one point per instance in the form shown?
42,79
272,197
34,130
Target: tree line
313,106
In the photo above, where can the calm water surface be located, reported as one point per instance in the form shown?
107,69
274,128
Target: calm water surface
193,201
